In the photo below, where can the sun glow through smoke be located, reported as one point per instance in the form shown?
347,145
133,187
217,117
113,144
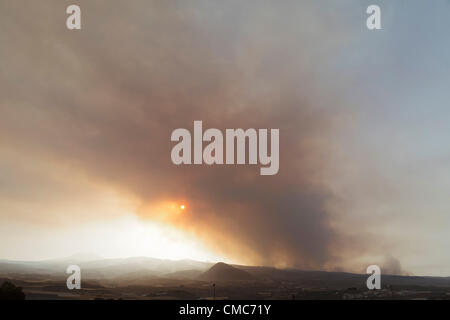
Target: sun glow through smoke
133,237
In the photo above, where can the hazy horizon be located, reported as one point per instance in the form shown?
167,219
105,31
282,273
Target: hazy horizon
86,118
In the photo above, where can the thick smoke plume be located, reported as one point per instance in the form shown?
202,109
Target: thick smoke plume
105,99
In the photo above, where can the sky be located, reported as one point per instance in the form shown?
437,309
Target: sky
87,115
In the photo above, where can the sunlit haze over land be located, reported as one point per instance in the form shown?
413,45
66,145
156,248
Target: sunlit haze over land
86,120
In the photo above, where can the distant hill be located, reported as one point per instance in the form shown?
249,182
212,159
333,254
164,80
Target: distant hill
224,272
184,274
78,257
103,268
146,270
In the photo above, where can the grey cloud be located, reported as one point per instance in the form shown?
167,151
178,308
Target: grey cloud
105,100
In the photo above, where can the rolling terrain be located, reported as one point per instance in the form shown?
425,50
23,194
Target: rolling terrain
150,278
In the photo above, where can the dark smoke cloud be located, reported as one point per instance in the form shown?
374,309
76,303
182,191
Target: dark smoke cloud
392,265
105,100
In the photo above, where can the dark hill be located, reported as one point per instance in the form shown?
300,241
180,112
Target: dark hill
224,272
